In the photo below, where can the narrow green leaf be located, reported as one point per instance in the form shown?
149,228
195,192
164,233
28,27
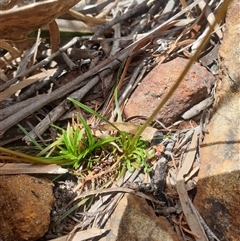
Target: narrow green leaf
79,204
29,136
89,110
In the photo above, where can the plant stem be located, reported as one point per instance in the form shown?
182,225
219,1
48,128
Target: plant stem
29,158
219,15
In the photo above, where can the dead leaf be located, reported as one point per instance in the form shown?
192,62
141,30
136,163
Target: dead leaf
83,235
20,85
20,168
17,23
130,128
191,217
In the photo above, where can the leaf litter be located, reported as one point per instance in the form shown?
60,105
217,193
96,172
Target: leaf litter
92,54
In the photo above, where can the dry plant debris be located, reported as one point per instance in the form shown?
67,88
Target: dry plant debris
98,55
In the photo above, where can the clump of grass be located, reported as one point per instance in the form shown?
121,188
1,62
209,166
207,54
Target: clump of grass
75,145
82,150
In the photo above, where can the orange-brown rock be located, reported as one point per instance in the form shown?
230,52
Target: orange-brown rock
218,189
134,219
25,205
195,86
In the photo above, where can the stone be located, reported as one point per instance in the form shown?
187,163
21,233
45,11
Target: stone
218,188
134,219
194,88
25,205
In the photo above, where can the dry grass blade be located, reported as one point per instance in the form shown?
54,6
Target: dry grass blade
117,189
82,235
28,81
9,48
54,36
192,219
24,168
88,19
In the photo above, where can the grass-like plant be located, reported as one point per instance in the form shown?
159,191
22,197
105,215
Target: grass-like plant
80,148
75,144
77,147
